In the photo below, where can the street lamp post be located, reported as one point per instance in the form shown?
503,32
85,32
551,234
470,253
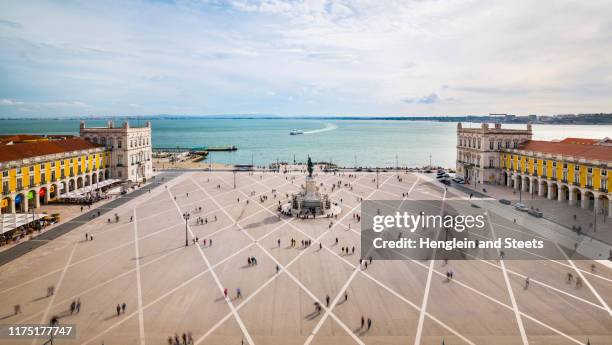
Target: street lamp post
186,217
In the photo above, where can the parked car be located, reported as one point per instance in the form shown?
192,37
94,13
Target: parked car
459,180
536,213
521,207
504,201
446,181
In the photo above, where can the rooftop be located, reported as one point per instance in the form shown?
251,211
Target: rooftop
21,146
594,149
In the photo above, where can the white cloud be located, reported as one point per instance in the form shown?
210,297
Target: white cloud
9,102
386,57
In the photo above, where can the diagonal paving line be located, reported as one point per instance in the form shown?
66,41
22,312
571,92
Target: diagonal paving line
245,332
417,338
65,300
328,310
138,284
348,282
509,307
106,251
168,293
282,270
292,276
517,314
603,306
57,287
531,280
601,300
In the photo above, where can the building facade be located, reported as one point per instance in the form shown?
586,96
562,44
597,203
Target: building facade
129,148
573,170
479,150
36,169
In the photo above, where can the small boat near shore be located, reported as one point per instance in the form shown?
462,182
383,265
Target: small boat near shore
296,132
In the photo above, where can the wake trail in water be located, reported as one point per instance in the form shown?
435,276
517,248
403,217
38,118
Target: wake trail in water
328,127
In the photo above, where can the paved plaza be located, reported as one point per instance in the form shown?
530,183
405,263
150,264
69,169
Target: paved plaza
171,289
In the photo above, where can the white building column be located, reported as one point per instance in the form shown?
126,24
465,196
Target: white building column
572,196
584,202
24,202
551,191
560,193
36,198
531,187
12,204
597,203
523,184
541,189
516,182
47,193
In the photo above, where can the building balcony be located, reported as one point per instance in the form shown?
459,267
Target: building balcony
588,187
577,184
603,189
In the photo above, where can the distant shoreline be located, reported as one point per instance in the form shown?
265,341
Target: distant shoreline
580,119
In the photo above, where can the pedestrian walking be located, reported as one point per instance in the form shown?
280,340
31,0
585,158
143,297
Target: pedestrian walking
345,296
72,307
123,306
526,283
369,323
362,322
327,301
86,236
225,292
238,293
78,305
118,310
17,309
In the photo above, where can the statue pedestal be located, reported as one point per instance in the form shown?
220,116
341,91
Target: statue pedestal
309,202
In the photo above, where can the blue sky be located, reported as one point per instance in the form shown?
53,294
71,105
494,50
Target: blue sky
318,57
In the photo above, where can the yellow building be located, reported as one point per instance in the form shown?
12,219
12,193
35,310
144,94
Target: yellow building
574,169
36,169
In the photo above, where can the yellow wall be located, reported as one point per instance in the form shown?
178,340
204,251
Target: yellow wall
95,161
518,162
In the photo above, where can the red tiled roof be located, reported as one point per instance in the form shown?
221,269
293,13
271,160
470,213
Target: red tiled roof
19,138
583,141
571,148
41,148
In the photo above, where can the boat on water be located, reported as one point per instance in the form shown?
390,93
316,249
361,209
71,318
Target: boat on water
296,132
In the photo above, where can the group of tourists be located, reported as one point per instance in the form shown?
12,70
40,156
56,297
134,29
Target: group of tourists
186,337
121,308
75,306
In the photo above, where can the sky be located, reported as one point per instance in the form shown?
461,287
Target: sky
304,57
